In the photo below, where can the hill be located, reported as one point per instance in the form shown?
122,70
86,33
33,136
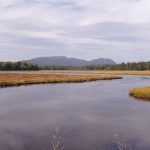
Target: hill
65,61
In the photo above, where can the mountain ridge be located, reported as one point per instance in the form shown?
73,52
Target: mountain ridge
66,61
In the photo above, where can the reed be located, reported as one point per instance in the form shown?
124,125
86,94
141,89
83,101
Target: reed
57,143
121,143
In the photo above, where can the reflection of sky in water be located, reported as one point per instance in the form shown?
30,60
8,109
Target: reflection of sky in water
88,114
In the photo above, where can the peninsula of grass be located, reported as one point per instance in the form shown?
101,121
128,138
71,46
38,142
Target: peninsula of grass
17,79
141,93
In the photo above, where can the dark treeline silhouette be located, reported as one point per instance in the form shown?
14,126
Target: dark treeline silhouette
6,66
10,66
123,66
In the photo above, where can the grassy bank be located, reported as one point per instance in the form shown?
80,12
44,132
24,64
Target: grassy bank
16,79
143,93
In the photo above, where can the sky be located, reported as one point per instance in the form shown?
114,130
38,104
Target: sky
86,29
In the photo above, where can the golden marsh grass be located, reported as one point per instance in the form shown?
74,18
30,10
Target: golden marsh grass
108,72
143,93
143,73
16,79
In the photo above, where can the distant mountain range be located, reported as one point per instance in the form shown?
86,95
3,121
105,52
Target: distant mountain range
65,61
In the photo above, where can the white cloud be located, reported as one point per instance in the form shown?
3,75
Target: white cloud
93,28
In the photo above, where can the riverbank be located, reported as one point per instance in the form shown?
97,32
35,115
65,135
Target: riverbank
141,93
17,79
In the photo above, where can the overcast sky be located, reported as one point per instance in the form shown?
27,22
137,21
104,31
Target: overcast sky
87,29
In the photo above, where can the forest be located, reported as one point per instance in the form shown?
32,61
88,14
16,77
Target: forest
16,66
123,66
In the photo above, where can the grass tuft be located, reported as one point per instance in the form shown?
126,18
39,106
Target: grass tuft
141,93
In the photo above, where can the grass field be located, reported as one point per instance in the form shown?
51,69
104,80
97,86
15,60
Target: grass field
16,79
143,73
143,93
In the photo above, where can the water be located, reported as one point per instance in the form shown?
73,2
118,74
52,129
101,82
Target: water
87,115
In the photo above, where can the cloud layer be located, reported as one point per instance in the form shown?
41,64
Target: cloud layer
118,29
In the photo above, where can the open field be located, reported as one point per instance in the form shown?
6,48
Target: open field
143,73
143,92
109,72
16,79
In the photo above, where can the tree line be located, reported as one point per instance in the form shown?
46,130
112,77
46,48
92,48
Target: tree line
122,66
12,66
15,66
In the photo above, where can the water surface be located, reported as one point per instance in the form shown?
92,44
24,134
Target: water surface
87,114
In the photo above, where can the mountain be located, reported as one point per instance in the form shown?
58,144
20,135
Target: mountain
65,61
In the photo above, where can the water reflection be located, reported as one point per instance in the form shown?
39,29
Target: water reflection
87,114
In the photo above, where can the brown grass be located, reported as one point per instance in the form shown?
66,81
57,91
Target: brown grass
16,79
109,72
141,93
145,73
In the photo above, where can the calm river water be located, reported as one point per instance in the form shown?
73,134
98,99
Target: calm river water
88,115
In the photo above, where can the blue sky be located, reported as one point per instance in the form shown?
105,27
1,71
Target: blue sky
87,29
